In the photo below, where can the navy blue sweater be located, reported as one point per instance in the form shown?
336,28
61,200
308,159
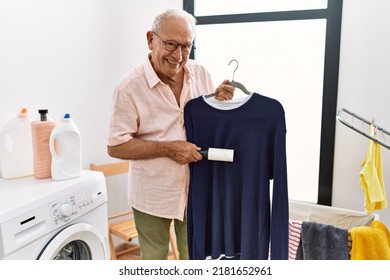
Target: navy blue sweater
229,206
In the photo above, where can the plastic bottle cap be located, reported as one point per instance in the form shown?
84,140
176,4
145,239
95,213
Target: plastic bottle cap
43,113
23,113
67,116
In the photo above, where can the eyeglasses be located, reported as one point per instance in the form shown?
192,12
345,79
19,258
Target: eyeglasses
172,45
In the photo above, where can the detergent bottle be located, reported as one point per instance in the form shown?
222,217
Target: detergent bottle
16,154
65,148
41,129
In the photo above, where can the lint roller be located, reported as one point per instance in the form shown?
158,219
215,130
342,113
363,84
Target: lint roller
218,154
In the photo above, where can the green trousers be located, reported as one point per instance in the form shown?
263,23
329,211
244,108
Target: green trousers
153,236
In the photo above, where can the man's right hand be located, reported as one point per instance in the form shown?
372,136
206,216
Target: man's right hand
183,152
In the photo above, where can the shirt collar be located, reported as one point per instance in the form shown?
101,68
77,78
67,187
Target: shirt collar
150,74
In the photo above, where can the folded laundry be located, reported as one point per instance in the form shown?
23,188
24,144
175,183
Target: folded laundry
294,237
370,242
322,242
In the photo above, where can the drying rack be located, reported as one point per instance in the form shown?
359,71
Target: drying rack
348,118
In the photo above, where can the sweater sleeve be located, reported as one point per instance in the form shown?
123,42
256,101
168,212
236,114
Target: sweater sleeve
280,209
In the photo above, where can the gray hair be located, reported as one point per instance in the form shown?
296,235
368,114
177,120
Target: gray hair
174,13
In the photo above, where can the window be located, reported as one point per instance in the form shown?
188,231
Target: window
287,50
221,7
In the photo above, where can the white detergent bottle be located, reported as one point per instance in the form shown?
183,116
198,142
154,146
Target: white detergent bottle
16,153
65,148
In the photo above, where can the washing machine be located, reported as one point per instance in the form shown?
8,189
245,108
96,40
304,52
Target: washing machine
42,219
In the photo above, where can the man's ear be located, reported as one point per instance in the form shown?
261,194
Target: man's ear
149,38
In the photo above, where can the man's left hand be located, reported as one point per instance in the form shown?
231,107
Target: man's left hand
224,91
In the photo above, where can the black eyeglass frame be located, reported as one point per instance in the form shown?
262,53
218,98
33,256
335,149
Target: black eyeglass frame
175,45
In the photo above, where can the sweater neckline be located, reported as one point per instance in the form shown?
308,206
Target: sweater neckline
227,104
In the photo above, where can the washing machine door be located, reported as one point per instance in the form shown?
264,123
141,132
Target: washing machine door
76,242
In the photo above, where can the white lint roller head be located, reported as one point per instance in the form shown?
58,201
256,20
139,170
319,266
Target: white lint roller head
218,154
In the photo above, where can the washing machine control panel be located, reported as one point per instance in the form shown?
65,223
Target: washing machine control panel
68,208
64,210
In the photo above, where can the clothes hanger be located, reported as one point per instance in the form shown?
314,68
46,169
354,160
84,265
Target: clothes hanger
348,121
232,83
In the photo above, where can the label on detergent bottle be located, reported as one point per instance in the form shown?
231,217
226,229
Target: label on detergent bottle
65,148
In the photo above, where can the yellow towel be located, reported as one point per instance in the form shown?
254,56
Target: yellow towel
370,242
371,177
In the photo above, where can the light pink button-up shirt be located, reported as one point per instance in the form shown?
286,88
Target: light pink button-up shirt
145,108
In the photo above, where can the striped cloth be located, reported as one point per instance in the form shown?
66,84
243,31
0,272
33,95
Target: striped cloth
294,236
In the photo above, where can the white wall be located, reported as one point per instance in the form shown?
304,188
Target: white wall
67,55
364,88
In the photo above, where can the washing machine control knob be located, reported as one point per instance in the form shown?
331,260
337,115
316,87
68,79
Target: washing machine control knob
66,210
